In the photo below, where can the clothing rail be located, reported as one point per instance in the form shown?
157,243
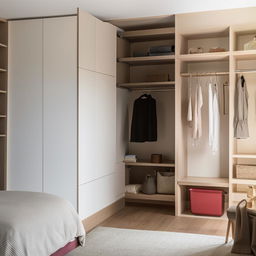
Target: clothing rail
204,74
245,71
152,89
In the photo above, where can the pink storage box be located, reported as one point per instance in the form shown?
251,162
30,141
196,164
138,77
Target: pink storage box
206,202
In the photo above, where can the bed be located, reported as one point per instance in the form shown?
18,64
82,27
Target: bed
40,224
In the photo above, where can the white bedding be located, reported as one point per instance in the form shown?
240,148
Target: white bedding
36,224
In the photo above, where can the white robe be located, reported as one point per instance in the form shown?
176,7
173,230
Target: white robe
241,130
214,119
197,115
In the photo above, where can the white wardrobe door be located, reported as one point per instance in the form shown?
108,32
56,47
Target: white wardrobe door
105,48
25,106
87,41
97,125
60,107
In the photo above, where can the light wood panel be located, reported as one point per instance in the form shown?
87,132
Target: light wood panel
245,55
144,22
148,60
149,34
100,216
252,156
243,181
168,84
150,164
154,197
204,57
204,181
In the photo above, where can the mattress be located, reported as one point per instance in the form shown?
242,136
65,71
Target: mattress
38,224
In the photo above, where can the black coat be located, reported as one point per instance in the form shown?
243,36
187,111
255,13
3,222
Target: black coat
144,120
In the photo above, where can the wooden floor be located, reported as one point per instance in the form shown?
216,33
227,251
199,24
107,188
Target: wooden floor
161,218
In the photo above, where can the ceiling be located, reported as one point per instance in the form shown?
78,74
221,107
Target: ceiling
113,9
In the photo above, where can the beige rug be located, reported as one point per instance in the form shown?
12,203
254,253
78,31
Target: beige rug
128,242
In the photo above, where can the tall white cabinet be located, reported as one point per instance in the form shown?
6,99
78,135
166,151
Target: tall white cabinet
62,110
42,146
101,182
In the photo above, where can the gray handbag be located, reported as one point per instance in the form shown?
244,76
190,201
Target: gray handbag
149,185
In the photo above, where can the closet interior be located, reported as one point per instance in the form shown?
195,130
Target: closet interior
218,55
204,163
144,71
3,99
242,150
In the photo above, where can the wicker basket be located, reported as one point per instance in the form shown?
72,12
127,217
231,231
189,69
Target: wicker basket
245,172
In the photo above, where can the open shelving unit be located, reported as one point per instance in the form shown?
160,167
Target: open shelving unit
192,170
226,65
3,100
242,152
153,75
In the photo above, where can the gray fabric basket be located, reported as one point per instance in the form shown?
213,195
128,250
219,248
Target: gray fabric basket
165,183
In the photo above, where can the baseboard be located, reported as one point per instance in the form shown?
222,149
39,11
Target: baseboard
95,219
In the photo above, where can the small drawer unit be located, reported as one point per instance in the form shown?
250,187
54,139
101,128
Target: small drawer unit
206,201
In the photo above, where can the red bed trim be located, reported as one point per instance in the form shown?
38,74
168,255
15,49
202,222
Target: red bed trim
66,249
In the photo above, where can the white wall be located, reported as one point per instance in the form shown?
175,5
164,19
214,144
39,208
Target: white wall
101,181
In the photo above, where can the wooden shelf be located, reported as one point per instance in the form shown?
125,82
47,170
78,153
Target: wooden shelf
148,164
2,116
2,135
2,91
154,197
3,20
167,84
204,181
3,45
187,213
211,56
2,70
243,181
148,60
249,156
149,34
204,74
245,55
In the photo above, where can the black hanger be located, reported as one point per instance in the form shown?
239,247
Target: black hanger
243,80
144,96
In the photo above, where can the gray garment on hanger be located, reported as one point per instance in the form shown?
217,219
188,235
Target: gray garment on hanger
241,130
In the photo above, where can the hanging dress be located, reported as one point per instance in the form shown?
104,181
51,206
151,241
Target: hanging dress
190,114
214,118
241,130
197,115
